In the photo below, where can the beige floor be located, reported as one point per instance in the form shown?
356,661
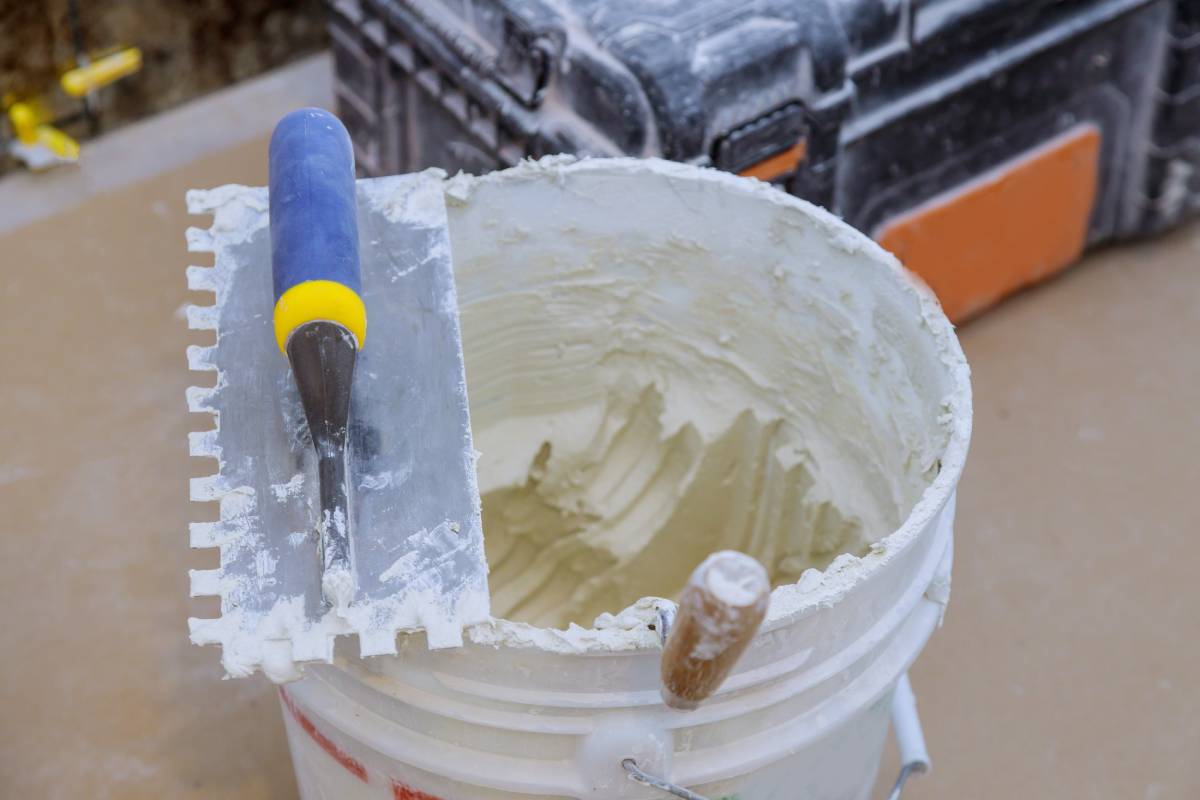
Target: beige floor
1068,665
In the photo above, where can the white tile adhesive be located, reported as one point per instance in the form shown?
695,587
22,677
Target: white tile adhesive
634,412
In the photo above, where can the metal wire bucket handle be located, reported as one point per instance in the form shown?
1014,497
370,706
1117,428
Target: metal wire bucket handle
906,726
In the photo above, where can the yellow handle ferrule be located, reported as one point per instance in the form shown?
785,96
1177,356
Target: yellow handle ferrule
319,300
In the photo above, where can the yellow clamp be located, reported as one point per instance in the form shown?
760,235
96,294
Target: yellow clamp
25,119
101,72
27,122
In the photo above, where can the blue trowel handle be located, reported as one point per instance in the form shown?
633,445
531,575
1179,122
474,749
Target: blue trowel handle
314,232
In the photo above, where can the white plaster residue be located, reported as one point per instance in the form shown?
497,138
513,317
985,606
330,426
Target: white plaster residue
337,584
402,567
382,480
239,212
631,628
809,581
264,567
640,616
458,188
293,488
414,203
420,550
410,202
734,587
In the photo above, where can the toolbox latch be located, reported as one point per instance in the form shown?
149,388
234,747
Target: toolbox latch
505,41
770,147
526,62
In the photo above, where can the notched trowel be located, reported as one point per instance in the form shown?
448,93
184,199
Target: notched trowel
346,480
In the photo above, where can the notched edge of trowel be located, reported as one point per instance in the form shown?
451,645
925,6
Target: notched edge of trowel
210,534
249,641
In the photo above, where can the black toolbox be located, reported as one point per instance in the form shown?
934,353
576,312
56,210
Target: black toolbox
1043,126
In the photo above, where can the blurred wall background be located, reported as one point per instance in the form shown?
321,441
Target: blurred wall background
189,48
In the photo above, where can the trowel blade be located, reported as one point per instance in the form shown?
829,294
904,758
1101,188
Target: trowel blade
417,539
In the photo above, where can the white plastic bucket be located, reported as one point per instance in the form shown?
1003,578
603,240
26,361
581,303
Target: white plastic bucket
678,322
